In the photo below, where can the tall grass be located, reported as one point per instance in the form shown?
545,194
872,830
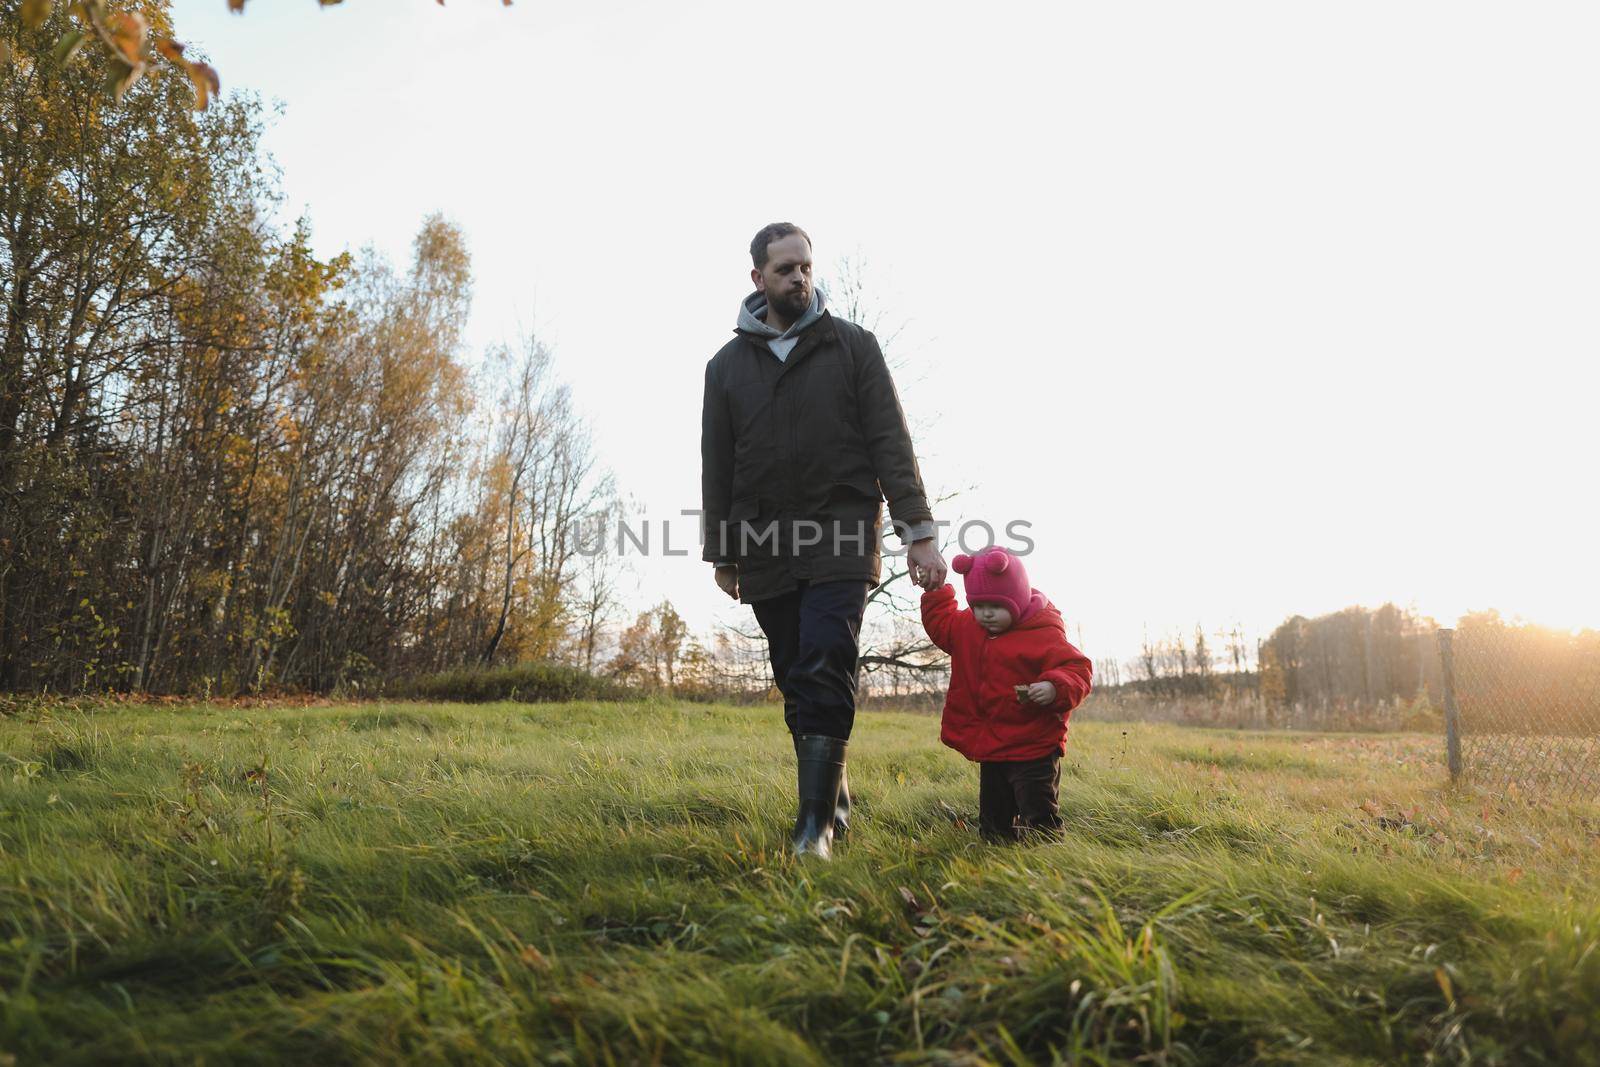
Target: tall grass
607,883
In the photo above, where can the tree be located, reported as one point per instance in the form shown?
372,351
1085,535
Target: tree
116,225
649,651
128,43
549,485
594,595
890,644
226,463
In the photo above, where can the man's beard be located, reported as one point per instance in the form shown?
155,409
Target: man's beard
791,305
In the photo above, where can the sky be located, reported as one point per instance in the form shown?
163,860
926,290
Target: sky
1249,309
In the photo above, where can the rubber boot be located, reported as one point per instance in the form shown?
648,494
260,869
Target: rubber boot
841,810
820,763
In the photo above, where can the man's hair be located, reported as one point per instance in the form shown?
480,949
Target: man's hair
773,231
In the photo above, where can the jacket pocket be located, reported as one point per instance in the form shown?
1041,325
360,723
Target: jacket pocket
748,538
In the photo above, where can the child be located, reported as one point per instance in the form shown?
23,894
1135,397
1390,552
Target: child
1014,680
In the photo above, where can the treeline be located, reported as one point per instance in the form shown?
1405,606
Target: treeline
227,464
1367,669
1359,668
1521,679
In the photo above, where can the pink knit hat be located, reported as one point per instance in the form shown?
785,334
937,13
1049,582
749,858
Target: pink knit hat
995,576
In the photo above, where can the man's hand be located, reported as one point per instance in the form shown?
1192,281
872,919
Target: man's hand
728,579
927,567
1042,693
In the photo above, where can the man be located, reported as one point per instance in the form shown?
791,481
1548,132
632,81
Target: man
802,436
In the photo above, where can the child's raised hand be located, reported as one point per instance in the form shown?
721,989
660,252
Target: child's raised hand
1042,693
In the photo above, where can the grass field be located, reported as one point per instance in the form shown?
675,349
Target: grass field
607,884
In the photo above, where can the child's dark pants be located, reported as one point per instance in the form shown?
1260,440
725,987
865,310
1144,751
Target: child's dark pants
1016,799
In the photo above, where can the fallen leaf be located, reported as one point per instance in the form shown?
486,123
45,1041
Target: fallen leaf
236,6
913,906
1445,985
1514,875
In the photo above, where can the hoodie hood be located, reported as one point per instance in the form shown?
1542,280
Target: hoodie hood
753,309
1039,613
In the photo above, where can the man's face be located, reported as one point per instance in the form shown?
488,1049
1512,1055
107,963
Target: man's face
786,279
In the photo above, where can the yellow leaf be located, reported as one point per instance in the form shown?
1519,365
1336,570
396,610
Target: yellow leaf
34,12
204,78
1445,985
206,83
128,30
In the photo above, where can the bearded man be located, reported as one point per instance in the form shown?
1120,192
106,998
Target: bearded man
802,438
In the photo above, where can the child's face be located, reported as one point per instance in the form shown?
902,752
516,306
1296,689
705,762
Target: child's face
992,617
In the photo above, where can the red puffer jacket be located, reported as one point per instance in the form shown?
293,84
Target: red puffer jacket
982,718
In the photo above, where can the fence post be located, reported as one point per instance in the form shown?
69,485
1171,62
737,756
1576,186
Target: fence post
1452,725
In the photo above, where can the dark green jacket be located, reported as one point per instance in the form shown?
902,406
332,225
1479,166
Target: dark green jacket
795,451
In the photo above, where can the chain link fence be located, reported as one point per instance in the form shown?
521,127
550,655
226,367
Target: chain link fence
1522,707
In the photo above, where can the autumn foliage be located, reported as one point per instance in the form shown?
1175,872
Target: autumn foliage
131,39
228,463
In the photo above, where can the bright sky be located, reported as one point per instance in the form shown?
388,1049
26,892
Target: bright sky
1249,308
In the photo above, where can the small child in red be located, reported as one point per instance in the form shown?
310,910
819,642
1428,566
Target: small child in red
1014,680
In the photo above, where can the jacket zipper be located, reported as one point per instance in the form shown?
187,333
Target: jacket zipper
977,681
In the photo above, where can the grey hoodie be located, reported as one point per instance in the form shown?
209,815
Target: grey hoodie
752,319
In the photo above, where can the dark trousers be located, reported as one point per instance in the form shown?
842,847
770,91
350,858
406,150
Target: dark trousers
813,638
1015,799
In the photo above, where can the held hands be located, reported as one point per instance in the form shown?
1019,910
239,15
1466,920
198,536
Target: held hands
926,565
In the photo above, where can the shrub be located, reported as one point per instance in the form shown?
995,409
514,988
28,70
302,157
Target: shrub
529,682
